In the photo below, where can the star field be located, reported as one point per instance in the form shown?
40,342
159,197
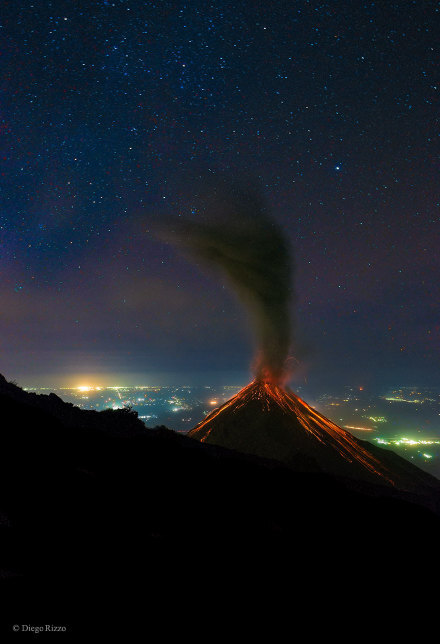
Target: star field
111,113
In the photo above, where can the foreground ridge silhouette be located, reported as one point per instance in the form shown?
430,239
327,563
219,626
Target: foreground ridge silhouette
271,421
100,514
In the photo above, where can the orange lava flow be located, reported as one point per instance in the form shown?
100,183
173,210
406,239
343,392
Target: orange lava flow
316,425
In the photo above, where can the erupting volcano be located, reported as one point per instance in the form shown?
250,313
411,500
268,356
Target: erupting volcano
235,234
267,420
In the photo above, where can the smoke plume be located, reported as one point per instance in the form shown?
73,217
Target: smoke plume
234,233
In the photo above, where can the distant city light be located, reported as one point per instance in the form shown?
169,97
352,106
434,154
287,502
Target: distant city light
405,400
406,441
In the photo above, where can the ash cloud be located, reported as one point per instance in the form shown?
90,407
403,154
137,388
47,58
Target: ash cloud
234,232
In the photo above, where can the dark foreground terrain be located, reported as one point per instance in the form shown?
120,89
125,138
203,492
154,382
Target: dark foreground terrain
107,525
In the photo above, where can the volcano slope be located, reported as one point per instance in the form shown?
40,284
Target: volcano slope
270,421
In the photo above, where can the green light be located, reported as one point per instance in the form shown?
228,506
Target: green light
407,442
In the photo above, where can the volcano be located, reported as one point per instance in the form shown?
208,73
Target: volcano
270,421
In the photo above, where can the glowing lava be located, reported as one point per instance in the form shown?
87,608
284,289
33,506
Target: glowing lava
268,420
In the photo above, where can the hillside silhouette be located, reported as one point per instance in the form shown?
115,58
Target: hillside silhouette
97,507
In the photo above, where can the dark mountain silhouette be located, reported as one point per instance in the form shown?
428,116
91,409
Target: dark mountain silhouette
108,523
268,420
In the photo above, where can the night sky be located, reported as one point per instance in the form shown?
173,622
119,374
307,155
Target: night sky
110,114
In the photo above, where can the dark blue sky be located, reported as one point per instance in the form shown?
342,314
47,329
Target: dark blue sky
112,110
